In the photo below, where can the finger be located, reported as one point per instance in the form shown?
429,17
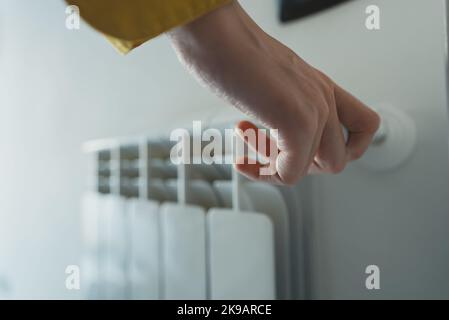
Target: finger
331,155
256,144
297,145
294,152
361,122
251,168
316,145
320,121
254,171
283,162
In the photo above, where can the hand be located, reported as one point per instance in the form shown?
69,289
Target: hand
230,54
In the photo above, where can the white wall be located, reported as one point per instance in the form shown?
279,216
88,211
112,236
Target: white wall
59,88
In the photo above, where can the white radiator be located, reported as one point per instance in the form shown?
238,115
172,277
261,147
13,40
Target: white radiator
154,230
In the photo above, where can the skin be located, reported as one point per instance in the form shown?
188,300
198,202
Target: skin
230,54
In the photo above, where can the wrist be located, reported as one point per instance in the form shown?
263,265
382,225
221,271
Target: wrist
216,31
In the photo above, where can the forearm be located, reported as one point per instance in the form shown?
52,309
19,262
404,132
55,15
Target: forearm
213,47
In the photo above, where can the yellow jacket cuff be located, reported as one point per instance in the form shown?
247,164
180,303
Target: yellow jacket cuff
130,23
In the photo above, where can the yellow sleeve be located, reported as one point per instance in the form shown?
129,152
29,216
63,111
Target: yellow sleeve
129,23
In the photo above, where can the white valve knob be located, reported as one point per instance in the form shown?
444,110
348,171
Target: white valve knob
393,143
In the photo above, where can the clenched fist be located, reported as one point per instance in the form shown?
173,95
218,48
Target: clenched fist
232,55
